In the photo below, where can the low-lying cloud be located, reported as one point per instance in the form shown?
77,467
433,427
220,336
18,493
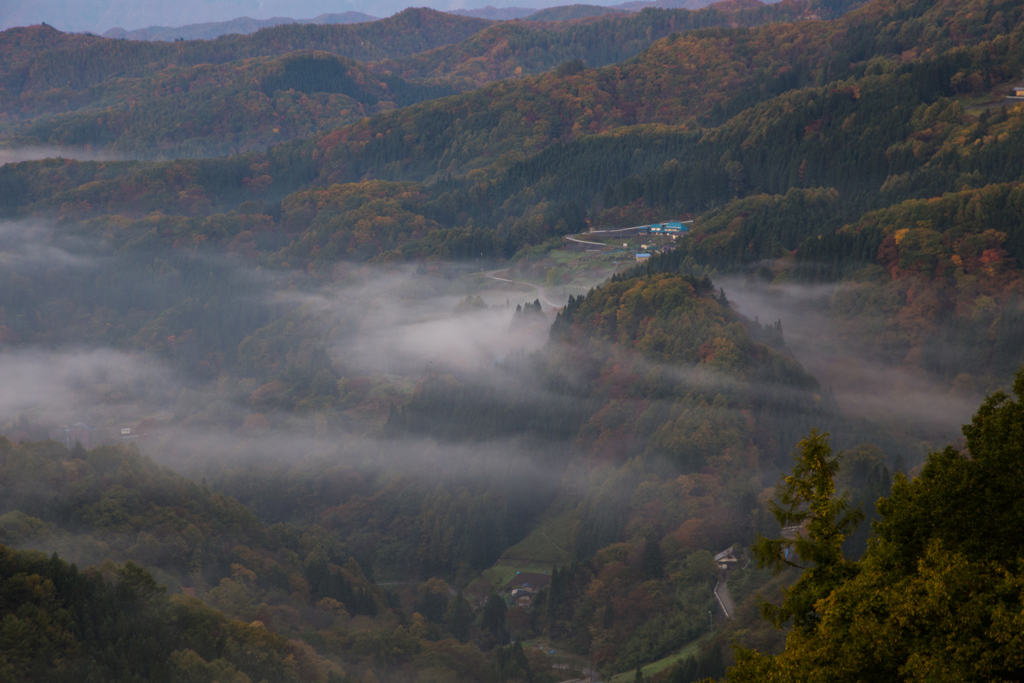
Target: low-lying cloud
862,386
15,155
389,326
95,386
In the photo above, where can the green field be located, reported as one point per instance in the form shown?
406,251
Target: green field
548,544
503,572
660,665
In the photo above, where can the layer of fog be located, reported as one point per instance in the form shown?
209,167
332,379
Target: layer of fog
864,387
391,328
84,384
32,245
370,328
14,155
391,325
397,322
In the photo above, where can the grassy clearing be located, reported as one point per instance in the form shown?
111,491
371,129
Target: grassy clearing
550,543
505,570
660,665
570,666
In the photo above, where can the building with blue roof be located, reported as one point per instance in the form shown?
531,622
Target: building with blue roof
670,228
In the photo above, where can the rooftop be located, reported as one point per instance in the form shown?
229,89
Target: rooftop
536,580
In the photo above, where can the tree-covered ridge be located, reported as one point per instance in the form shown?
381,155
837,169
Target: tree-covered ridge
62,624
509,118
314,611
768,148
938,593
40,57
569,12
652,366
664,318
553,107
244,25
890,132
138,104
211,110
480,129
686,366
511,49
373,217
702,77
113,503
675,414
640,441
209,98
943,287
846,136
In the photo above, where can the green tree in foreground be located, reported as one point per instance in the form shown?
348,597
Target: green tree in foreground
938,595
493,619
820,521
459,617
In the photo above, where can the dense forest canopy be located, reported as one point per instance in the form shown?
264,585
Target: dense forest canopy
333,352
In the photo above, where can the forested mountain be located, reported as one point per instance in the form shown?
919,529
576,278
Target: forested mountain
508,50
133,101
207,110
208,98
45,55
315,614
745,174
392,392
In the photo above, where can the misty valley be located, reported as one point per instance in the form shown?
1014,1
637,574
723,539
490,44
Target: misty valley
658,342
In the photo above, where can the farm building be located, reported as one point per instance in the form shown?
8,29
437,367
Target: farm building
670,228
528,580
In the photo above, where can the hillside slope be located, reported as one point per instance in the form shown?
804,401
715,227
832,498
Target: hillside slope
729,125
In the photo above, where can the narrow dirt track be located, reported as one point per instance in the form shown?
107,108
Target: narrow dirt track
540,290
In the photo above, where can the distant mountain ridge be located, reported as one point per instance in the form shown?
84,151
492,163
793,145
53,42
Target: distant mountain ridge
567,12
496,13
246,25
239,25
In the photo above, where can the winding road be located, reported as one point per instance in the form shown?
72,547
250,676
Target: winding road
725,599
602,245
540,290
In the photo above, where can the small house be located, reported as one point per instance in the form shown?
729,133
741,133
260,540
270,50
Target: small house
1018,90
726,559
528,581
642,257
